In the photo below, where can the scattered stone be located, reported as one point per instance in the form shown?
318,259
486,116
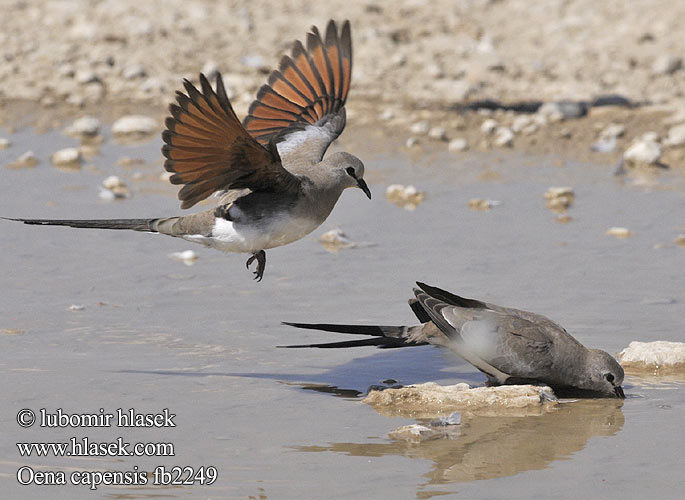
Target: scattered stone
4,143
26,160
613,130
489,126
134,124
644,151
482,204
458,144
604,145
660,355
438,133
387,115
530,129
520,123
411,142
420,128
430,400
85,126
680,240
12,331
77,307
335,240
504,137
134,71
114,188
667,64
676,136
188,257
412,433
87,76
67,157
560,199
619,232
406,197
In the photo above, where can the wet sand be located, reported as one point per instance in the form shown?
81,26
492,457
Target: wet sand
200,340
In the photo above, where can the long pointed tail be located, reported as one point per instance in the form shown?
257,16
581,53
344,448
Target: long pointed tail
147,225
384,337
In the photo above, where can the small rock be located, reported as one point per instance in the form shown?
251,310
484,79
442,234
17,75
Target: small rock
134,124
680,240
133,71
406,197
77,307
559,199
613,130
188,257
504,137
66,157
114,187
438,133
643,151
420,128
520,123
4,143
453,418
86,76
458,144
411,142
482,204
26,160
619,232
658,355
335,240
676,136
667,64
604,145
430,400
489,126
412,433
530,129
84,126
387,115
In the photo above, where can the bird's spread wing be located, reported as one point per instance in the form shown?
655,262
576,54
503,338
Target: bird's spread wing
208,149
301,108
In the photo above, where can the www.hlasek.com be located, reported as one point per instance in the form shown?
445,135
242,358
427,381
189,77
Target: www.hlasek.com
86,447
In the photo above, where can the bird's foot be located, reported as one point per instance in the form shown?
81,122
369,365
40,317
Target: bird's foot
260,257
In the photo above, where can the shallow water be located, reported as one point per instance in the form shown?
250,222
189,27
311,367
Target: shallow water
200,340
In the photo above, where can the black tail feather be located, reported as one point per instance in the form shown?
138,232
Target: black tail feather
419,311
385,337
450,298
133,224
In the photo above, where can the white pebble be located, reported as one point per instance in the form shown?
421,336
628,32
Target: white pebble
438,133
411,142
488,126
676,136
134,124
658,354
420,128
407,197
643,151
336,239
504,137
4,143
188,257
66,156
133,71
86,125
77,307
619,232
458,144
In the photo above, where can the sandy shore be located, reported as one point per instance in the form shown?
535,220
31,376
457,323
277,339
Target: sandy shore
415,61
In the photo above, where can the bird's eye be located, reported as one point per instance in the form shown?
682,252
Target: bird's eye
350,171
609,377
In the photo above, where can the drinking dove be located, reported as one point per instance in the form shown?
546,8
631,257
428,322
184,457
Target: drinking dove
508,345
276,186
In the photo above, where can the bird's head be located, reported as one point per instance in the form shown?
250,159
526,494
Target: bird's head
605,374
349,171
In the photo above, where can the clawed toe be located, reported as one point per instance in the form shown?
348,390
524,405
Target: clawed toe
260,257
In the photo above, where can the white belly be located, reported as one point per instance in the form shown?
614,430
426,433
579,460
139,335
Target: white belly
229,236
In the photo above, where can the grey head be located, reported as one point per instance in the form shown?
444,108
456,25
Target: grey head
603,374
344,170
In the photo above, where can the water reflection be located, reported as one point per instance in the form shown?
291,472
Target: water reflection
490,447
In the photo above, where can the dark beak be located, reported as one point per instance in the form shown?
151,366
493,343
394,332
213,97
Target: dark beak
618,390
362,185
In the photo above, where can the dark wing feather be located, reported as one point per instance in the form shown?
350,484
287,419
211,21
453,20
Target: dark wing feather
309,88
208,149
